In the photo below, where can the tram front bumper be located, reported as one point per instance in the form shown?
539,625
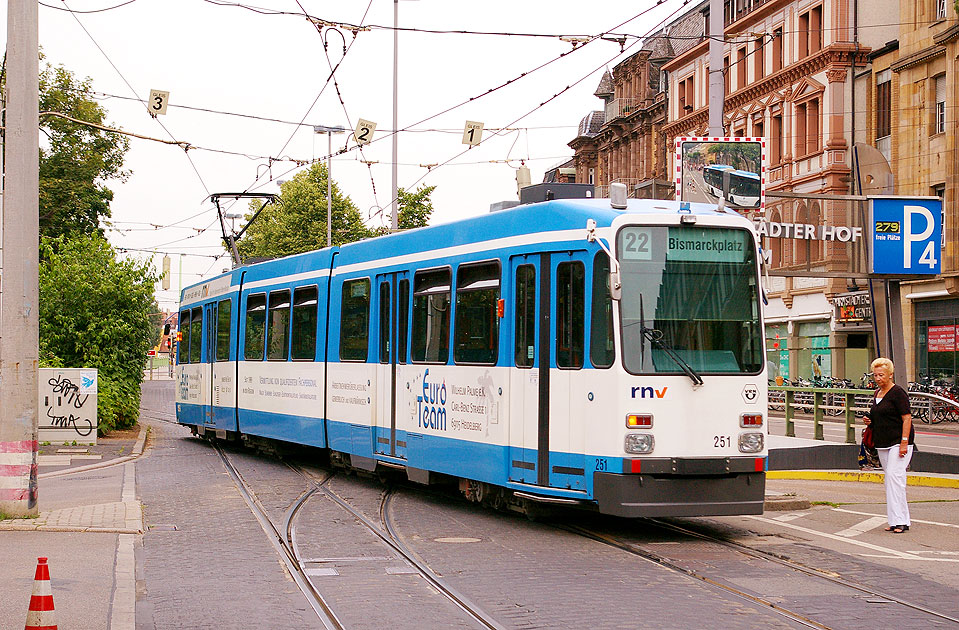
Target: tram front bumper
647,495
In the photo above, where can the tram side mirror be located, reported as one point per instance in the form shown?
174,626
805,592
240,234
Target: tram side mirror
615,285
615,282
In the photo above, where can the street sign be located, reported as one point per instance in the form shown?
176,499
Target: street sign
151,353
905,235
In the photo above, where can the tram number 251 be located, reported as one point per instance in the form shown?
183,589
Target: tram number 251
722,441
602,464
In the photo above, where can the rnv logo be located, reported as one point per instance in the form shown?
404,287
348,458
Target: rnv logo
649,392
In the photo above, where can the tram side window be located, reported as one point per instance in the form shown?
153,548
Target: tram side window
477,325
196,336
223,324
278,335
355,320
304,323
183,341
601,349
255,329
431,316
525,333
570,303
403,319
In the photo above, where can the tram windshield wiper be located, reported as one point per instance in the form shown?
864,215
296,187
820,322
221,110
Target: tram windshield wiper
655,338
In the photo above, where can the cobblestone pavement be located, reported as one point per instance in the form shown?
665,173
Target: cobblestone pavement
205,562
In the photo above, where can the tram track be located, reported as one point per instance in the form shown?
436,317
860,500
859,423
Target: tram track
283,538
728,587
391,538
280,539
835,579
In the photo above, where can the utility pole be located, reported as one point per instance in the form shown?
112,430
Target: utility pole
717,96
19,290
394,215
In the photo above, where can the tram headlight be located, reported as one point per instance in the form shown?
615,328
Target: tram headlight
639,443
751,442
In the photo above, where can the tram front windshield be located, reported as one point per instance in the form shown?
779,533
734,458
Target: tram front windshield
690,300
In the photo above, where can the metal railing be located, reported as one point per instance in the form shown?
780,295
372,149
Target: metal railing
621,107
820,401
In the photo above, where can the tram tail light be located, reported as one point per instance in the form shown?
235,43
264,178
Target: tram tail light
639,420
751,420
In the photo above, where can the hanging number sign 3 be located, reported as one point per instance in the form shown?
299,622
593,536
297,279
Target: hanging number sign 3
158,102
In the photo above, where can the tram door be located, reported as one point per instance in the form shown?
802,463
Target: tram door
208,380
392,322
548,311
525,310
219,336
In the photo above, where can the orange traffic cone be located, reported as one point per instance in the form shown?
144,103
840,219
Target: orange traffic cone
40,614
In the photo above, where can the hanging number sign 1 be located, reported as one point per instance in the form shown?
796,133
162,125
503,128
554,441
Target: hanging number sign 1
473,133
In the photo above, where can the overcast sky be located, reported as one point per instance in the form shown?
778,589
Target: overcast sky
219,56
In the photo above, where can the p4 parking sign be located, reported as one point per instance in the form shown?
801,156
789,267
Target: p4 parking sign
905,235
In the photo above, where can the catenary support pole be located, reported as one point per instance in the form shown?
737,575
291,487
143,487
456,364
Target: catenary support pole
19,290
394,216
716,79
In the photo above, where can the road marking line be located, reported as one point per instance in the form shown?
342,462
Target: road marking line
850,541
790,517
914,520
863,526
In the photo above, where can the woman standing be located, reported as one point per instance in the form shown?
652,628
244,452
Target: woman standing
893,436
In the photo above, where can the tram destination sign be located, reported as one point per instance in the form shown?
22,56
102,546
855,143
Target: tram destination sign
905,235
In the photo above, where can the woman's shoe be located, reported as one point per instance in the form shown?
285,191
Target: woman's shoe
897,529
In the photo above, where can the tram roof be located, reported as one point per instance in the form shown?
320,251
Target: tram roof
548,216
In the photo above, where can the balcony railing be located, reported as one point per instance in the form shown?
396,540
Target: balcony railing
621,107
736,9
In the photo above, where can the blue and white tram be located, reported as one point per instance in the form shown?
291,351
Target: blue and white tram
506,351
713,178
744,189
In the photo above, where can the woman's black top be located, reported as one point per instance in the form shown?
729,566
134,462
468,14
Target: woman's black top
887,418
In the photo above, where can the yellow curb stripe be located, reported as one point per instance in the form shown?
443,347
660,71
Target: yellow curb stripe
867,477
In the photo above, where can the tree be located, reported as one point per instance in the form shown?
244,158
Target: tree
413,208
75,159
297,222
95,311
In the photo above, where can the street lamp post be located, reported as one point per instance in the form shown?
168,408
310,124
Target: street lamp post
329,131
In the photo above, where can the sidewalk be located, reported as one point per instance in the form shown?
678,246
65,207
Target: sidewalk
90,519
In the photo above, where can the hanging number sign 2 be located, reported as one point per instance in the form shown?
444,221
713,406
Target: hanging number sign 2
473,133
363,134
158,102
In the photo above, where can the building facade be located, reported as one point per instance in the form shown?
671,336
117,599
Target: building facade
924,77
